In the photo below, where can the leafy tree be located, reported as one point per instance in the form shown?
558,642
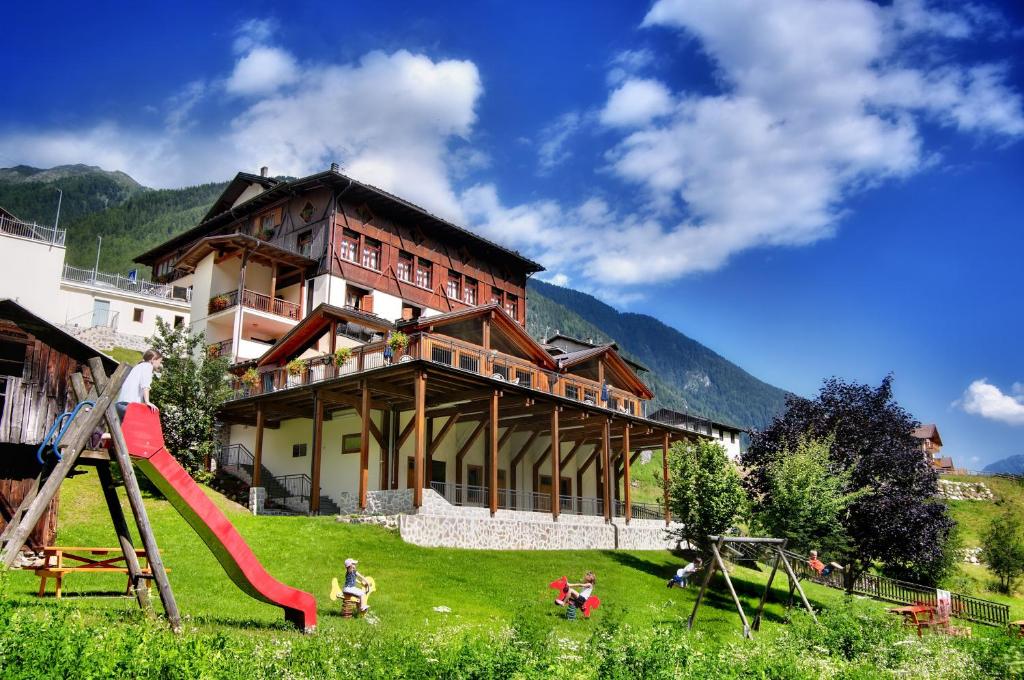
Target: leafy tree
705,492
807,500
898,522
188,392
1003,549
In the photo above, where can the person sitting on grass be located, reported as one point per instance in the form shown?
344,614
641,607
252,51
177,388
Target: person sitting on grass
577,597
820,567
682,577
355,583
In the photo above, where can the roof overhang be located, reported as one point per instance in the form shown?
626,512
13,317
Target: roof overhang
258,251
301,337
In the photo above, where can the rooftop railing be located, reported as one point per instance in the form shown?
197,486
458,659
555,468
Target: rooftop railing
91,277
31,230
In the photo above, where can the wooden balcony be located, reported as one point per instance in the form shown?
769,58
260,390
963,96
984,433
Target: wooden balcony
441,349
257,301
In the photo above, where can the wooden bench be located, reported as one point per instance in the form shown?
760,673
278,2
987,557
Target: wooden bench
61,560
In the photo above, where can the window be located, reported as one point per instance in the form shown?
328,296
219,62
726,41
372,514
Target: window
305,243
496,296
298,450
137,315
469,291
307,212
179,321
512,305
349,245
732,437
404,268
351,443
371,253
354,297
453,286
423,271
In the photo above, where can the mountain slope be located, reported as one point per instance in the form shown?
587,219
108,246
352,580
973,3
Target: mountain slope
31,193
1013,465
698,380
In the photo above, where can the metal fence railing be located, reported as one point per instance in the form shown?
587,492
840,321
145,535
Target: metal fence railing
138,286
97,318
33,231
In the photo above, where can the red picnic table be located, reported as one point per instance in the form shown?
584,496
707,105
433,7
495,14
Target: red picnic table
919,616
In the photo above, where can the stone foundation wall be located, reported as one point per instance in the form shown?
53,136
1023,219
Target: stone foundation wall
102,337
377,502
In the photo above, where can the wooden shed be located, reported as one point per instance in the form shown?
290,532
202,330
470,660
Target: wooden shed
36,362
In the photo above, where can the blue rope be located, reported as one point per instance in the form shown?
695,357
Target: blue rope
60,426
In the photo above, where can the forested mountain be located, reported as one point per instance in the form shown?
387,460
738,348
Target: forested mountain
131,219
31,193
697,379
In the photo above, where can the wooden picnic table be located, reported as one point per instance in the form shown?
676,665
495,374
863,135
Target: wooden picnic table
61,560
920,616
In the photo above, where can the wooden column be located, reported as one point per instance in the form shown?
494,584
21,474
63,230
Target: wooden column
556,464
302,295
332,344
625,472
664,474
420,436
273,280
257,455
318,436
385,451
606,468
492,445
364,445
236,334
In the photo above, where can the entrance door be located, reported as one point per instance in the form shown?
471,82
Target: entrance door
438,468
100,312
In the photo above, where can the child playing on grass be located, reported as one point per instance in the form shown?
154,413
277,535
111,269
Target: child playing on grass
355,583
682,577
578,597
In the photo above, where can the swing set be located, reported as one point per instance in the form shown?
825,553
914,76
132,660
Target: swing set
749,548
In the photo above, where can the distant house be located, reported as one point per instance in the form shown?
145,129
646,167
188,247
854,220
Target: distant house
726,435
36,362
33,272
930,442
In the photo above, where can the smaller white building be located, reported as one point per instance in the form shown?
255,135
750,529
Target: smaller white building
727,436
34,274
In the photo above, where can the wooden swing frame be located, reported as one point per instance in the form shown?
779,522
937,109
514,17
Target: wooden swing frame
777,546
47,483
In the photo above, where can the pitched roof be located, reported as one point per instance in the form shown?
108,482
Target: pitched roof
380,201
60,340
928,431
553,348
301,336
496,314
668,415
614,361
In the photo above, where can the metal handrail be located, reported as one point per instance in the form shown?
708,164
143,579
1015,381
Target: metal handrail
86,320
33,231
138,286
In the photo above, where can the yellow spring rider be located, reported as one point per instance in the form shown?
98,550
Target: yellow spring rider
350,603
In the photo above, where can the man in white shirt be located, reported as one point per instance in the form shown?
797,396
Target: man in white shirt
135,388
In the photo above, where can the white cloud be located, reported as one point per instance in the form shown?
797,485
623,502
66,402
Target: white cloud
628,63
253,33
552,150
636,102
984,399
261,71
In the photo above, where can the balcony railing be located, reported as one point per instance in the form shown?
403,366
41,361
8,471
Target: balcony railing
91,277
640,510
224,348
444,350
32,231
253,300
469,495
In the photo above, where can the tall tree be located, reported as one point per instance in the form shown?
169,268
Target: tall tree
897,522
189,390
1003,549
807,500
705,492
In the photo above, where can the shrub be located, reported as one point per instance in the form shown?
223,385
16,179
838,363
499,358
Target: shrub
295,366
1003,549
342,355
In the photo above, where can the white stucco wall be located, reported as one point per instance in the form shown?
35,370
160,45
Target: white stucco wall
30,275
79,301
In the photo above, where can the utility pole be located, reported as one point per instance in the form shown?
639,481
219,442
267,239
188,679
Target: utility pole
96,269
56,221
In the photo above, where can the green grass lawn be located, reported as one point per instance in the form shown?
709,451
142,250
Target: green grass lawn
482,588
125,356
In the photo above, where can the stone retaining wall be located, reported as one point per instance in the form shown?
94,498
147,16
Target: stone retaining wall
377,502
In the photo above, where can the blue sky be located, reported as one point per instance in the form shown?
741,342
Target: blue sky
810,188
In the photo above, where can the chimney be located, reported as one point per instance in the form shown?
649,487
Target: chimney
334,167
264,170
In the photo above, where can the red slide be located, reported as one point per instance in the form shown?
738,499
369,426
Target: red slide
145,440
